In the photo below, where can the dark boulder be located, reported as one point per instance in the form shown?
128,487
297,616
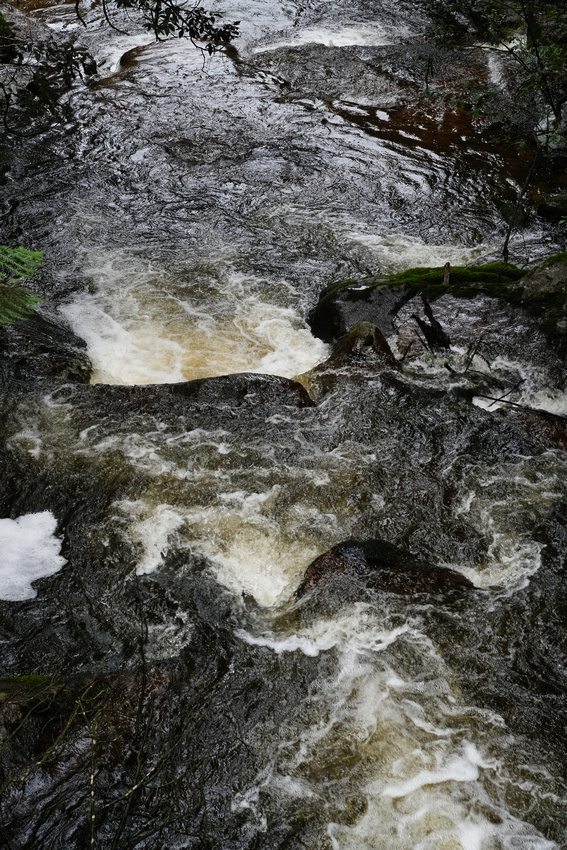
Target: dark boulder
379,299
377,565
548,278
344,305
553,208
544,295
257,395
363,339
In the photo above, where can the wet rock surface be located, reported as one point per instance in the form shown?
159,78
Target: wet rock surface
553,208
362,352
172,696
262,390
376,76
41,348
377,565
162,738
337,310
380,299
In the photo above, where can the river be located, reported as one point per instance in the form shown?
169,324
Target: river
184,699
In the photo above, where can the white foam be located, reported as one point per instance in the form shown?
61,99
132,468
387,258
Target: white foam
398,740
30,551
486,403
395,252
458,769
155,534
143,327
310,647
323,635
249,551
505,502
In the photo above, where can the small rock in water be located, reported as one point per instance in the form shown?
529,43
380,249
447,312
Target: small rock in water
377,565
361,338
364,350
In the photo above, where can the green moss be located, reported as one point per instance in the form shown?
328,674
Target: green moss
556,260
498,280
334,288
492,278
12,687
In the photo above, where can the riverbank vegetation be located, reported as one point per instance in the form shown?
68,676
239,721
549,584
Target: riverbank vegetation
36,72
532,34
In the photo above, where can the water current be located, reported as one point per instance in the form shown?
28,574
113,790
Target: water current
190,219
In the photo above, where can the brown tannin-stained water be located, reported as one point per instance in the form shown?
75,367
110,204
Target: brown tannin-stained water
188,700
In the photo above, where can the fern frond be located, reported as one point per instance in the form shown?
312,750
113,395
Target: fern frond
19,264
16,302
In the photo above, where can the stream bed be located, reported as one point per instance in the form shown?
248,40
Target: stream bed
161,684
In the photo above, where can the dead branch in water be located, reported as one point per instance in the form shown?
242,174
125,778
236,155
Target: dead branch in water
538,411
432,331
515,387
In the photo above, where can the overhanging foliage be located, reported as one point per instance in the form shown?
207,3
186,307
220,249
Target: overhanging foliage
17,266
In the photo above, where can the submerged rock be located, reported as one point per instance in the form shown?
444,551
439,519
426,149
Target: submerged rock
363,350
257,395
377,565
544,295
244,387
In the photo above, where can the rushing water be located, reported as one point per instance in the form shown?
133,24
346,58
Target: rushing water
190,222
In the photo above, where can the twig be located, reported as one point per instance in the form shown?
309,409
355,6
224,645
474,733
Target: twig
92,806
546,413
404,355
427,348
474,351
521,381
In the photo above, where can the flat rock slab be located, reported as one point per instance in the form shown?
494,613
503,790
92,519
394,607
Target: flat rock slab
255,394
245,387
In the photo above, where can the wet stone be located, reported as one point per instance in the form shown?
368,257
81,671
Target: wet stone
545,296
244,388
255,395
553,208
550,276
354,566
364,350
379,299
338,309
40,348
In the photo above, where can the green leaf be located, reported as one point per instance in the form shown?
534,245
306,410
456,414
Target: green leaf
17,265
16,302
